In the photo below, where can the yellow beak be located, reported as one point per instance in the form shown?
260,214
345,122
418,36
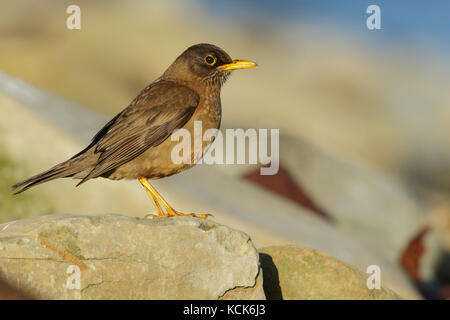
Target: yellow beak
237,64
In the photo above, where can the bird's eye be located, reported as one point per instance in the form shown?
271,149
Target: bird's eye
210,60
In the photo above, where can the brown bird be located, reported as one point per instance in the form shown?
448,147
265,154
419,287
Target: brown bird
136,143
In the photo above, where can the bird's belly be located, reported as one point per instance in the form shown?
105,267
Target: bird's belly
157,162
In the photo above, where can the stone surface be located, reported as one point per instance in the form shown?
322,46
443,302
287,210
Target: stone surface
293,273
121,257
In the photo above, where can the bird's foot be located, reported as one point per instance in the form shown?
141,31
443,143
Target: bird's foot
154,216
174,213
180,214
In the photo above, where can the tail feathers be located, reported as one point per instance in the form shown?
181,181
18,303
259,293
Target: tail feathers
64,169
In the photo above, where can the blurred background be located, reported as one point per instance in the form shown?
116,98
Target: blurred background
374,103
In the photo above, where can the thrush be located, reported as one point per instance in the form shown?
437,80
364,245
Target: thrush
136,143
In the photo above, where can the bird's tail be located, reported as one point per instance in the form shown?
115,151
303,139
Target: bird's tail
65,169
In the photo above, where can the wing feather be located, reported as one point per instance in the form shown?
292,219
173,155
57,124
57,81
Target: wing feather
147,122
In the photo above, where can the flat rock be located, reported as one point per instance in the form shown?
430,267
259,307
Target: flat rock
294,273
120,257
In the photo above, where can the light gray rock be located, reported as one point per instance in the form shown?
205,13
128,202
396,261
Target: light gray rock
119,257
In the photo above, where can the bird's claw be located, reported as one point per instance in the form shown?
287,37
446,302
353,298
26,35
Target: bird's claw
178,214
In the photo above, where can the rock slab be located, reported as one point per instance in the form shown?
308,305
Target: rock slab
294,273
120,257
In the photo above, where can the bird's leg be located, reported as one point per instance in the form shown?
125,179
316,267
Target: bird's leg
171,212
161,212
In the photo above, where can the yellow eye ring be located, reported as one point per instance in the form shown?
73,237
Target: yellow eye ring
210,60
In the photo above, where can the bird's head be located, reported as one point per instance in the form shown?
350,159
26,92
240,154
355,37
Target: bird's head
205,62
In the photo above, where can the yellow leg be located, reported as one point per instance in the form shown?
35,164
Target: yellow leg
171,212
161,212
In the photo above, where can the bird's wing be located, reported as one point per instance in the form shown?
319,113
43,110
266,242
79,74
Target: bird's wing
149,120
